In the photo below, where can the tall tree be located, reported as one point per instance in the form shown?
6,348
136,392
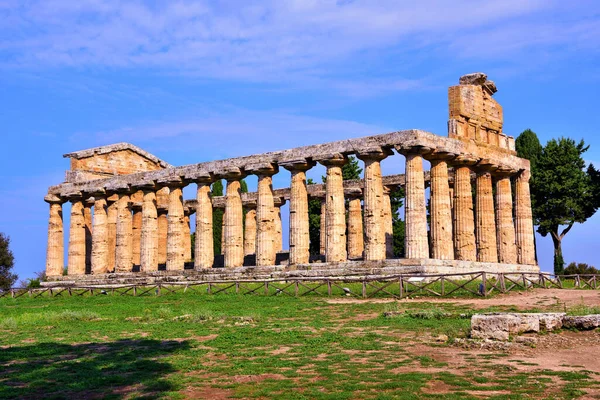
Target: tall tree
351,170
564,192
7,261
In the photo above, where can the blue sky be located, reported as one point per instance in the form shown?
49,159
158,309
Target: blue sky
191,81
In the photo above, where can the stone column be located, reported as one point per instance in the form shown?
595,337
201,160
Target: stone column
233,224
375,235
149,234
356,245
100,236
87,215
299,224
415,211
322,230
442,247
111,231
507,249
524,220
278,228
175,228
388,223
163,228
77,247
136,225
204,256
335,215
464,224
187,237
55,258
265,215
250,230
124,236
485,229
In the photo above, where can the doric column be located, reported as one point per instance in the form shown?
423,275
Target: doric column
415,211
278,227
388,223
124,236
55,259
442,247
485,228
111,232
464,223
187,237
100,235
524,220
507,249
233,224
87,216
356,245
136,225
250,229
375,248
322,230
149,234
175,226
163,228
265,214
299,224
335,214
204,249
77,245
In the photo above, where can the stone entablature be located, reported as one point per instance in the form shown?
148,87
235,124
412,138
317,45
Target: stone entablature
141,221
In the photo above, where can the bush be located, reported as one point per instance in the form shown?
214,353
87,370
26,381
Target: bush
580,269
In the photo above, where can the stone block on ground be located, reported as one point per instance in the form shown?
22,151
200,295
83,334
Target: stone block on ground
494,326
584,322
551,321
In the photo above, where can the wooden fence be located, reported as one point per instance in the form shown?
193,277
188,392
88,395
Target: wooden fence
478,284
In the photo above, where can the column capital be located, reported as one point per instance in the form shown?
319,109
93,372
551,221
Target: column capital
95,192
504,172
172,182
119,188
417,149
524,174
54,199
465,160
353,193
231,174
262,169
373,153
279,201
333,160
485,166
145,186
440,155
302,164
201,177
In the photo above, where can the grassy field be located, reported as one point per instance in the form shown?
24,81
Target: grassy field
227,345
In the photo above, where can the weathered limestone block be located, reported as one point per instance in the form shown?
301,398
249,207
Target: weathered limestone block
250,232
388,223
502,325
124,239
299,225
415,211
507,250
265,218
374,224
487,248
442,247
355,229
100,237
187,238
524,220
175,230
204,251
551,321
495,327
335,221
163,228
583,322
55,251
233,224
111,230
136,225
464,225
149,234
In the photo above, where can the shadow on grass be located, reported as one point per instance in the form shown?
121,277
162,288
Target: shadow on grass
89,370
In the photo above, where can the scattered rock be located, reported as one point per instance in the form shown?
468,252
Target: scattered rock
528,340
441,338
476,78
584,322
551,321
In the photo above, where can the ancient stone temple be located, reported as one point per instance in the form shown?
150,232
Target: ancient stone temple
129,221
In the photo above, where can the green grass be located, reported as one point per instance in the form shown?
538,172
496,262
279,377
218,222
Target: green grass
194,345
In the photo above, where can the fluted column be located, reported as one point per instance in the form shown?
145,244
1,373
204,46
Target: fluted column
388,223
149,234
442,247
265,215
356,245
100,236
204,250
335,214
507,249
299,224
163,228
87,216
124,236
322,230
415,211
233,224
111,232
485,229
278,229
77,247
175,229
375,243
55,251
250,230
524,220
187,237
464,223
136,227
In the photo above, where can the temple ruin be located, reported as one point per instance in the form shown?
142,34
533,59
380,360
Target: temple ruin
129,221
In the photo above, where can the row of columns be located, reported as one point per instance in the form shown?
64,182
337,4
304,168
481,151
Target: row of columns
485,232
